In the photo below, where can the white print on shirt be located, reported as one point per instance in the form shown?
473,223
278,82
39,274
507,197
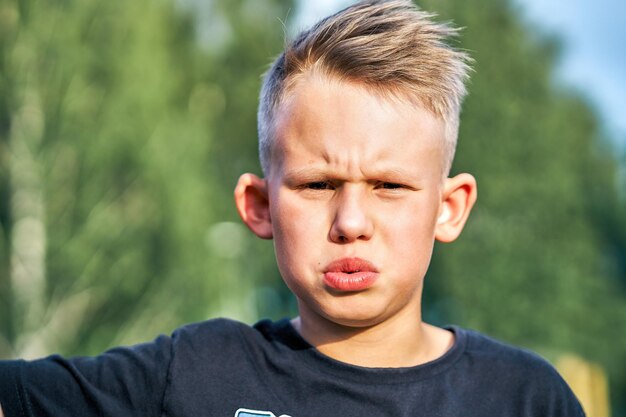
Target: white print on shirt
244,412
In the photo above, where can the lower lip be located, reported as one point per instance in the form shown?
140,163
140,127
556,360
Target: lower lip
343,281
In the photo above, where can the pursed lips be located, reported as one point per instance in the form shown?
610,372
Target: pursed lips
350,274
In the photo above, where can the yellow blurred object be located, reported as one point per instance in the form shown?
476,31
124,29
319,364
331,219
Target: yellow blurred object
589,383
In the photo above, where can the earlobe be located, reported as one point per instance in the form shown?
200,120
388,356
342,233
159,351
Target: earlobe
459,196
252,201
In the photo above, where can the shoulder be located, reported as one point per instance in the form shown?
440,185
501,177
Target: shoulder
501,356
228,330
219,327
481,345
516,373
214,334
223,338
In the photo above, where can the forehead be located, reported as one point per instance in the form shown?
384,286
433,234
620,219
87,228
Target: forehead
327,121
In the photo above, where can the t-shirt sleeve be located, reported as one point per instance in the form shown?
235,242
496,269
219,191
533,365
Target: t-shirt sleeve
125,381
512,381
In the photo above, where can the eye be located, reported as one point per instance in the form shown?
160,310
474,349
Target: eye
319,185
390,185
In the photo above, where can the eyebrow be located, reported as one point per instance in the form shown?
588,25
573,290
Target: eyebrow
312,174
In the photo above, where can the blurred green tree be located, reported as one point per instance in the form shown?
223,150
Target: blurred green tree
112,174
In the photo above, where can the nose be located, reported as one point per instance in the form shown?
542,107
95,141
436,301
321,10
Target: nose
352,221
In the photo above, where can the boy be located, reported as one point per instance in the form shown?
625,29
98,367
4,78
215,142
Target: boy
358,121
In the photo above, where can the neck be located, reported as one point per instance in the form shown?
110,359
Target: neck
390,344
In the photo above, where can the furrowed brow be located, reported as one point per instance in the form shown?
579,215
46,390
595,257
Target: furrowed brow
305,175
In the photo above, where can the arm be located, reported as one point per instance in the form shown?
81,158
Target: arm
128,381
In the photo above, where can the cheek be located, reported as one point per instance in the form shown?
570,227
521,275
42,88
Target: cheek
411,221
289,221
410,232
297,229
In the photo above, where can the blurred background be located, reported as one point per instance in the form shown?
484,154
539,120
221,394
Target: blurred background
125,125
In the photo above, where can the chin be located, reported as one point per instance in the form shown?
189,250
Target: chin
353,317
355,323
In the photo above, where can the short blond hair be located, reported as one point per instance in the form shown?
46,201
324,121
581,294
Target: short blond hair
391,47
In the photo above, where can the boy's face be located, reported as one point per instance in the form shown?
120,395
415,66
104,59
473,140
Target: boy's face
354,176
353,201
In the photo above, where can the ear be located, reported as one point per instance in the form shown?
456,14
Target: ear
459,196
252,203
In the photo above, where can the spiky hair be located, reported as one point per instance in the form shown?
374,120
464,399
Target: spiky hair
391,47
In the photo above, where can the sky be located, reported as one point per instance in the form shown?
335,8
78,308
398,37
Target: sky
593,60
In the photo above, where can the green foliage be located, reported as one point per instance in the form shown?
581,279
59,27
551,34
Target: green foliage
113,177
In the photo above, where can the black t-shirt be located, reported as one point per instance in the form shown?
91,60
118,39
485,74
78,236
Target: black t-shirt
225,368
